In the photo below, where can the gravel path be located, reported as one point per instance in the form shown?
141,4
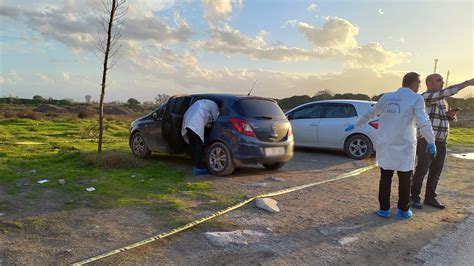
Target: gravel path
453,249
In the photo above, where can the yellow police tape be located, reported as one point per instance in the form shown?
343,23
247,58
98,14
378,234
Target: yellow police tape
221,212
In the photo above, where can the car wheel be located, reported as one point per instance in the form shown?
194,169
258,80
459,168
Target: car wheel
358,147
273,166
219,160
139,147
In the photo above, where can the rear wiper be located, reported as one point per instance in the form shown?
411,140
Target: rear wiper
263,117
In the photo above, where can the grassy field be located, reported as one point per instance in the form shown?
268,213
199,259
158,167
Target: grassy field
66,149
32,150
461,137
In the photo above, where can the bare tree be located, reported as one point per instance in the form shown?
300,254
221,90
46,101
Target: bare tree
88,99
161,99
111,18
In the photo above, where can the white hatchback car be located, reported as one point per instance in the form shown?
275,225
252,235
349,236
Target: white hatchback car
321,124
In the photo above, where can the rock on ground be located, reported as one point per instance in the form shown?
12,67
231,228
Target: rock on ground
267,204
346,240
239,237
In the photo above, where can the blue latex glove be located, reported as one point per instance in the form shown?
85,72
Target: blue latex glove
349,128
431,149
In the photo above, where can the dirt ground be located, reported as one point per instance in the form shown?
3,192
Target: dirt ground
306,231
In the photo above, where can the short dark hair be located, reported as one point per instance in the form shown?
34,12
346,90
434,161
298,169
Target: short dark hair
409,78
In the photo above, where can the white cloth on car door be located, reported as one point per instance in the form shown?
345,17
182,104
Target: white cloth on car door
198,116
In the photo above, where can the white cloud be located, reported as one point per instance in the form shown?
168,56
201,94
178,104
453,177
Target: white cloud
336,33
373,55
380,11
193,78
216,11
401,39
334,40
312,7
228,40
289,23
45,79
158,5
75,23
153,28
10,78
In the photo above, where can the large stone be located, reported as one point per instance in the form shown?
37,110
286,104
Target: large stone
263,184
239,237
267,204
346,240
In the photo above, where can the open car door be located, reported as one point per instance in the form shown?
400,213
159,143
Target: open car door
172,122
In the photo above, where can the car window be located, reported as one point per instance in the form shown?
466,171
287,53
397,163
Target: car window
339,111
259,108
180,105
161,111
312,111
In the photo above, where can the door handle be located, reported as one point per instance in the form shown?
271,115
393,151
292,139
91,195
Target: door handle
313,125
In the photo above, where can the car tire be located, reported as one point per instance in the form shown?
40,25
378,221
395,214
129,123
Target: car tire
219,160
358,147
139,147
273,166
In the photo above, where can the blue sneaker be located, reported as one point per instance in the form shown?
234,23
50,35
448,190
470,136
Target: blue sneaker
383,214
200,171
401,215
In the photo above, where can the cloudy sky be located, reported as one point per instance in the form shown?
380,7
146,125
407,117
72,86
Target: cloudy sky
291,47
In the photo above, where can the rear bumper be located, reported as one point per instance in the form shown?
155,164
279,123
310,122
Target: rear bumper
250,150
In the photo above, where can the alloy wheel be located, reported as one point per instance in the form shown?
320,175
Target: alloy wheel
138,145
217,159
358,147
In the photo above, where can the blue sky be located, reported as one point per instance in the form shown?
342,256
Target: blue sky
290,47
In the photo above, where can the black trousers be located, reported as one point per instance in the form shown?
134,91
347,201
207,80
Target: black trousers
427,163
197,148
385,188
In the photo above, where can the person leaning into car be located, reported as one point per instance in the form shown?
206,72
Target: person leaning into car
437,109
201,113
396,142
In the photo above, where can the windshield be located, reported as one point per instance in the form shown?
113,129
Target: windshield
259,109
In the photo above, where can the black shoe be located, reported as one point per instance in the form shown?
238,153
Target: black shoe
434,203
416,203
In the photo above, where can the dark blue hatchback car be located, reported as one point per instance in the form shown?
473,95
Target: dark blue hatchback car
249,130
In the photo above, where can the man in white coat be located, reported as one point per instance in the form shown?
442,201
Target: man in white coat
201,113
400,113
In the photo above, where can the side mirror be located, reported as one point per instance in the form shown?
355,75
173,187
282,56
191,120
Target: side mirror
154,115
289,116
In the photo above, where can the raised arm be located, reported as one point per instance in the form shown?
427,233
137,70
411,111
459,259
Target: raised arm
433,96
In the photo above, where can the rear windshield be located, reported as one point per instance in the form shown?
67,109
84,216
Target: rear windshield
259,109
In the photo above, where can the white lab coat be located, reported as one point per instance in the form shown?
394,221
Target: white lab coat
396,144
198,116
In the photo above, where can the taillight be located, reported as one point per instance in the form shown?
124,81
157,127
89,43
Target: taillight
242,126
374,124
290,131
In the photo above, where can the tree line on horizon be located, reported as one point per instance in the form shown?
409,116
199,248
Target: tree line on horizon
287,103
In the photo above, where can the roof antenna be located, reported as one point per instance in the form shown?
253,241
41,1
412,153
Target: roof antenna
252,88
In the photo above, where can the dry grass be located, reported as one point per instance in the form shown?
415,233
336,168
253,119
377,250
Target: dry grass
9,114
28,113
110,160
86,114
